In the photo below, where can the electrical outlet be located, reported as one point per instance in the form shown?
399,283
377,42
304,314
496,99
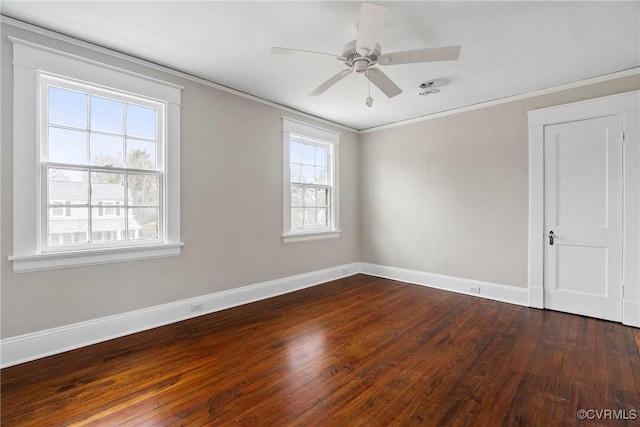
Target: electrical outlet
197,307
475,289
345,271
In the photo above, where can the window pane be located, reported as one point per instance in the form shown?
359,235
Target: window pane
61,229
309,217
107,227
321,176
296,173
308,156
67,108
296,196
322,217
143,189
106,150
297,218
308,174
68,186
295,153
143,223
141,121
321,156
107,188
107,115
309,196
67,146
321,199
141,154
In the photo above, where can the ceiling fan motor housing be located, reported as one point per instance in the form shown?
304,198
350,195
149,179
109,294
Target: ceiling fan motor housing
355,60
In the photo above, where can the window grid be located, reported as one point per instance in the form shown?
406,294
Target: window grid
309,184
145,169
87,129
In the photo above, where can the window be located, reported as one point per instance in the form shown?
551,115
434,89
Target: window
310,182
106,143
100,152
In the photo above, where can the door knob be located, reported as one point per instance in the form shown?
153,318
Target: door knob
551,236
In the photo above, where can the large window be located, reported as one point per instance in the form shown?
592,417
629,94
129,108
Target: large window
310,182
103,161
96,162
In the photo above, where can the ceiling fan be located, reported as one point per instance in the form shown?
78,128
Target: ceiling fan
364,53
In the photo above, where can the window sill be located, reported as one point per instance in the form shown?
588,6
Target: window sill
308,236
52,261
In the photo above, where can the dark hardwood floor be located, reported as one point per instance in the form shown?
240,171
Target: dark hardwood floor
359,351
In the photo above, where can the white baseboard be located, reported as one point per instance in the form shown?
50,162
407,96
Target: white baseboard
24,348
631,313
40,344
493,291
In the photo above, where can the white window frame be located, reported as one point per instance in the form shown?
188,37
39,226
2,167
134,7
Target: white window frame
30,62
108,208
293,127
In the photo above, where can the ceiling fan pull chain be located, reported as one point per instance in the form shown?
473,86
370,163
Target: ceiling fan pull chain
369,100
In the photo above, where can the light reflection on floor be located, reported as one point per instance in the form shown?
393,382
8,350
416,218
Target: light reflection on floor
308,365
305,348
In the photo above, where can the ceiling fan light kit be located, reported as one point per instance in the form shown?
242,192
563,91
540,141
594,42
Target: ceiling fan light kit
363,54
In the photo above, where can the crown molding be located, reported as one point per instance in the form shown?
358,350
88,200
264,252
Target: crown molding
506,99
4,19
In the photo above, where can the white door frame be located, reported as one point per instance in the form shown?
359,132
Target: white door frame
625,104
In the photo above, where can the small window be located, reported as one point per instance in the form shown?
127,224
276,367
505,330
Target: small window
311,185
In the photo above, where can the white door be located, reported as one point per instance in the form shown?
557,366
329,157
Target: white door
583,217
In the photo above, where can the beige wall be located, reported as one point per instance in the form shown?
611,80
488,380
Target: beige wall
450,195
231,213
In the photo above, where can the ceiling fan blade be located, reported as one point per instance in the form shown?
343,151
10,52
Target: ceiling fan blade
333,80
383,82
446,53
288,51
372,19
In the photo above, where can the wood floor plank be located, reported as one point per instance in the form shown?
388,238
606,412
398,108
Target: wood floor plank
356,351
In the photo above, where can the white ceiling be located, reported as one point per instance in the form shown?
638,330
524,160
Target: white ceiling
508,47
